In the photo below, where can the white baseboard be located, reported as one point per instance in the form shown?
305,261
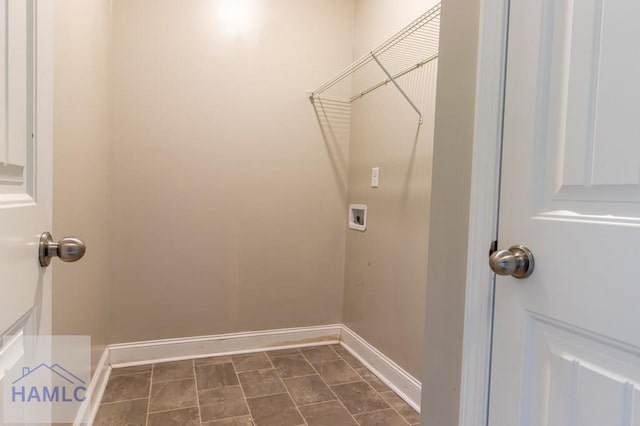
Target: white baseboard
89,407
140,353
394,376
129,354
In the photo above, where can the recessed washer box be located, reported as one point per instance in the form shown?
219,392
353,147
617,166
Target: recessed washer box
358,217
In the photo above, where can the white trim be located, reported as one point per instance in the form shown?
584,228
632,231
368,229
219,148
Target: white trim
476,355
89,407
401,382
139,353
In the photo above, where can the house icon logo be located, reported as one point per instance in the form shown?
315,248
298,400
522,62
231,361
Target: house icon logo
46,384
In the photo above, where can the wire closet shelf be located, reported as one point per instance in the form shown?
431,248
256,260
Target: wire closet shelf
409,49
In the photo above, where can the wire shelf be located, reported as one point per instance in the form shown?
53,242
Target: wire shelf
410,48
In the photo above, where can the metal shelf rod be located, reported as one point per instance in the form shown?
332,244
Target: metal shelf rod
395,83
410,29
396,76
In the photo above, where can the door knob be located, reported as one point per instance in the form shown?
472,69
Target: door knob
517,262
67,249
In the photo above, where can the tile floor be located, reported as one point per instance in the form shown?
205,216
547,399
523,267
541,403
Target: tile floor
317,386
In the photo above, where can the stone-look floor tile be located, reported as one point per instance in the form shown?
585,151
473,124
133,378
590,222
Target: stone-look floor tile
359,397
327,414
130,413
283,352
173,395
222,403
212,360
274,410
215,376
236,421
308,390
123,388
261,383
405,410
351,360
251,362
336,372
184,417
130,370
319,354
292,366
373,380
381,418
172,371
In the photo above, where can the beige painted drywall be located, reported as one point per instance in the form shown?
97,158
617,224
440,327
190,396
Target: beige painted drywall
385,272
454,133
81,166
228,205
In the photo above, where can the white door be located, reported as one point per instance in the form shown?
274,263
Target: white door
567,339
26,77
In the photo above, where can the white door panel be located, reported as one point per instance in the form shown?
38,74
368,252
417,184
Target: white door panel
26,145
567,339
24,210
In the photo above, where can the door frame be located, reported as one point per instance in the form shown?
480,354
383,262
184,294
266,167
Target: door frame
483,212
43,125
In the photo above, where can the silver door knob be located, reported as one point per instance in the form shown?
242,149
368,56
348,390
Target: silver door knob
517,262
67,249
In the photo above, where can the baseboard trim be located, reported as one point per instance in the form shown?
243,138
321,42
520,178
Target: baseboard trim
403,383
95,391
140,353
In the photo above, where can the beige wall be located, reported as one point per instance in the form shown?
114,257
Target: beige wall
377,20
451,190
385,274
228,206
81,166
208,130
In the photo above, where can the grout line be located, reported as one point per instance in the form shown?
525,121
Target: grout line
388,403
299,354
319,403
174,380
283,355
303,375
287,389
322,360
349,383
269,394
124,400
332,391
372,387
382,409
171,380
130,374
282,381
150,387
173,409
195,380
231,418
344,349
246,403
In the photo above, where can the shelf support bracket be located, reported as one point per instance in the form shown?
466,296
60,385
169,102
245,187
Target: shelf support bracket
395,83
